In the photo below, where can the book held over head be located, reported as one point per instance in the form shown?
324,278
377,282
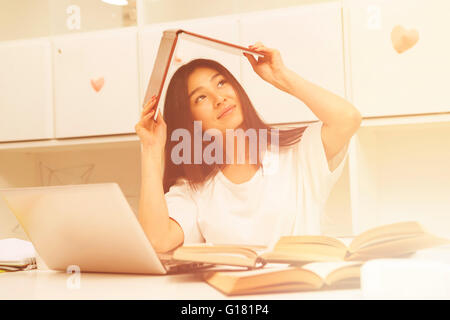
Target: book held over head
169,45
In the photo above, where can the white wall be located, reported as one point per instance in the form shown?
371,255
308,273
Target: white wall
20,19
24,19
170,10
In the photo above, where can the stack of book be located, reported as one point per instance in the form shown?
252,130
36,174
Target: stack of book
297,263
16,255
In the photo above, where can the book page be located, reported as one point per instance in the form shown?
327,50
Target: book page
324,269
386,232
220,254
325,240
13,249
302,249
219,249
268,268
399,246
346,240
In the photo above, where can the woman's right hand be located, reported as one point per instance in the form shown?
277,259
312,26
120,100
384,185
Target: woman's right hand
151,133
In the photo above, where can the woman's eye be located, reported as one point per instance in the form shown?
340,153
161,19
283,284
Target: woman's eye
197,100
220,83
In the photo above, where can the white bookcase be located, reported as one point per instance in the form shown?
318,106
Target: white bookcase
397,167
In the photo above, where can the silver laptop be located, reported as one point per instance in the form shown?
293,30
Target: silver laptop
91,226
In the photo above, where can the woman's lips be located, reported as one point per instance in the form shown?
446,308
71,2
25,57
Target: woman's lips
227,111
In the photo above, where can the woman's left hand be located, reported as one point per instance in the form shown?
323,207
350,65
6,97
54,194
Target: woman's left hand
270,67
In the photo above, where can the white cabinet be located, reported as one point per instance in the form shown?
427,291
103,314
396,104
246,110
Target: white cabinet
96,83
225,29
309,39
26,90
399,52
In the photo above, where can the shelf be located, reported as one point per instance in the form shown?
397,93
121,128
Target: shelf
406,119
131,140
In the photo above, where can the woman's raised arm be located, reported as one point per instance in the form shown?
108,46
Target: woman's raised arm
164,233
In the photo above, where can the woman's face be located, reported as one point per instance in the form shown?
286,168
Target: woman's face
213,100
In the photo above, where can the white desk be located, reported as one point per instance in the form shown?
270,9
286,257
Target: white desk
40,284
45,284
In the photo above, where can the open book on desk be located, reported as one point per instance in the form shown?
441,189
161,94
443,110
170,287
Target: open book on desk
16,255
385,241
284,278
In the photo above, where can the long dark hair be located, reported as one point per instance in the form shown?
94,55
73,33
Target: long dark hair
177,114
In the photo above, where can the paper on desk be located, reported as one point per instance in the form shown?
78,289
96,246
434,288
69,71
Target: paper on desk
13,249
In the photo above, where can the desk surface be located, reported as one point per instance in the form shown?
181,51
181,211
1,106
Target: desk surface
45,284
40,284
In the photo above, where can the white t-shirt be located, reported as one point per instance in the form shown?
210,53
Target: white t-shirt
286,198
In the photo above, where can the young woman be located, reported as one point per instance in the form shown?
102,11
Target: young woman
238,198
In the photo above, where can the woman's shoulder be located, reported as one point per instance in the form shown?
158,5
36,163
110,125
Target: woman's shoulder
192,189
310,134
289,154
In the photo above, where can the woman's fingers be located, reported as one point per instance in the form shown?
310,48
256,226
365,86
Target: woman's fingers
251,59
150,104
160,119
257,46
149,115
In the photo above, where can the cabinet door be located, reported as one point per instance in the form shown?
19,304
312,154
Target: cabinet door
96,83
218,28
399,54
26,90
309,39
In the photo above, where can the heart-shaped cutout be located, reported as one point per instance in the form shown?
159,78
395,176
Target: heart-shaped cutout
403,39
177,59
97,84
